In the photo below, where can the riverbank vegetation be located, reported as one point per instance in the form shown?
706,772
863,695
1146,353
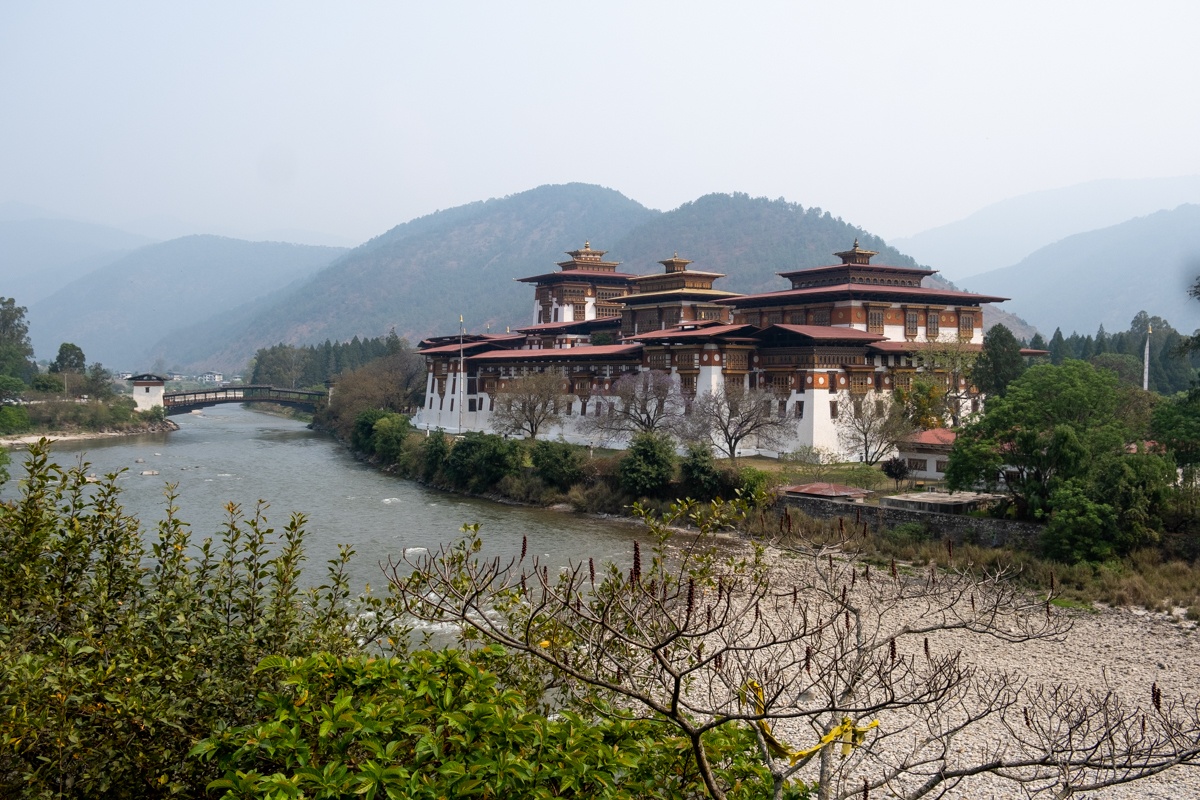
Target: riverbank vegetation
144,664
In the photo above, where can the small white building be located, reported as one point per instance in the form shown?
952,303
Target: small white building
211,377
148,390
927,453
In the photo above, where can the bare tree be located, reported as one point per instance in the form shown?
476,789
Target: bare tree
528,404
871,425
735,415
641,402
865,669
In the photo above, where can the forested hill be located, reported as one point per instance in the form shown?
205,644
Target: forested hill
420,276
112,312
747,238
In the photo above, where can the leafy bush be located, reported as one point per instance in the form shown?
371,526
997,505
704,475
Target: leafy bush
14,419
389,435
478,461
699,474
439,725
114,663
557,463
364,429
649,465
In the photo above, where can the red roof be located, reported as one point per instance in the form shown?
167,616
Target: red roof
680,333
598,322
826,490
556,353
863,290
892,346
827,332
468,347
941,437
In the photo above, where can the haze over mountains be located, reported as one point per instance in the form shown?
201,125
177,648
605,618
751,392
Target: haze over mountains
1003,233
115,311
209,302
1107,276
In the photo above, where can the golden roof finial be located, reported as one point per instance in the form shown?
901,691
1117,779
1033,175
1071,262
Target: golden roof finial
587,245
855,242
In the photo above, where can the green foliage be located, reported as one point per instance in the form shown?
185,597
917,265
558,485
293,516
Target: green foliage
437,450
14,419
479,461
896,468
1176,425
11,388
115,659
649,465
699,474
16,352
438,725
1059,440
1052,425
999,363
50,384
389,436
70,359
558,464
115,414
364,429
1080,529
754,482
924,403
4,462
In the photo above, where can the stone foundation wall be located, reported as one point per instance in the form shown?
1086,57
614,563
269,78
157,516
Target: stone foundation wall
957,527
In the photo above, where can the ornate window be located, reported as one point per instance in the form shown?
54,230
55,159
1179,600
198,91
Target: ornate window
780,383
875,320
911,320
931,325
818,317
966,325
833,409
861,382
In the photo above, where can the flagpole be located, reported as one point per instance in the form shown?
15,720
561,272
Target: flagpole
462,375
1146,360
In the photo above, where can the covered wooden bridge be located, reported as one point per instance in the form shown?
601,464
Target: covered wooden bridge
183,402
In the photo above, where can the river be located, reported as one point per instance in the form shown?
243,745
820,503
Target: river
229,454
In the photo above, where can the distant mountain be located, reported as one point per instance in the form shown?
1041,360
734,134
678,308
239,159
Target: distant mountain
1006,232
1107,276
419,276
114,313
39,255
747,238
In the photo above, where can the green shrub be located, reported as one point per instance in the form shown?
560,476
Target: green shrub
699,474
440,725
908,533
14,419
115,660
557,463
649,465
388,436
478,461
364,429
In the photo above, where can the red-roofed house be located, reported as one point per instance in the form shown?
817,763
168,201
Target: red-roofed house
927,453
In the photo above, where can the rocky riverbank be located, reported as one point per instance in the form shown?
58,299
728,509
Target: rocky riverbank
26,439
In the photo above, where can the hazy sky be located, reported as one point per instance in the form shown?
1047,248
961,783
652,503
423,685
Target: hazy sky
348,118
